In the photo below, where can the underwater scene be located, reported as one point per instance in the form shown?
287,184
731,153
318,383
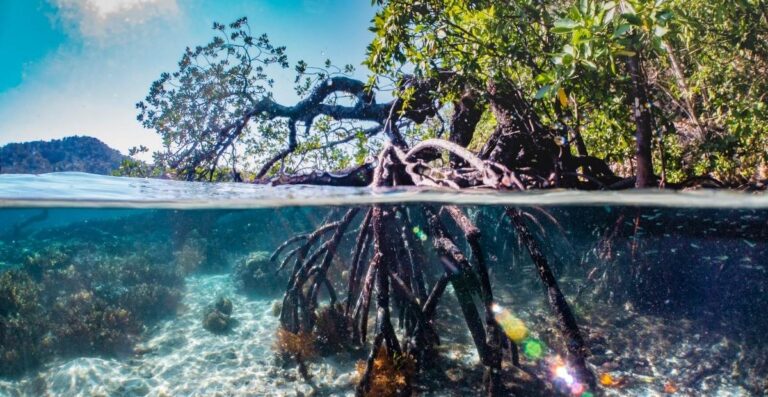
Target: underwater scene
109,298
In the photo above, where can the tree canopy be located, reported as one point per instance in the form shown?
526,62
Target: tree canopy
663,90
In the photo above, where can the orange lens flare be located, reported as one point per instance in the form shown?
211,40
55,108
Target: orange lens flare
514,327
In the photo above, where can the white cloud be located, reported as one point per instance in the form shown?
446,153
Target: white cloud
110,19
90,84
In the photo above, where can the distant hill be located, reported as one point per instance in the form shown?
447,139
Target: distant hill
74,153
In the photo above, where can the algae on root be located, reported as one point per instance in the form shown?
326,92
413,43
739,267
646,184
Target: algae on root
391,376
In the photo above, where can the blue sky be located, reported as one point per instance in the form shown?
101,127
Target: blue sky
79,66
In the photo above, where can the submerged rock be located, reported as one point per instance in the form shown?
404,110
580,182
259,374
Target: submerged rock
257,275
224,305
217,317
216,321
277,307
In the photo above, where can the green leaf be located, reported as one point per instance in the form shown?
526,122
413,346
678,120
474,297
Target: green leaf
625,53
664,16
546,77
543,92
584,7
621,29
632,18
589,64
608,16
564,26
628,6
557,30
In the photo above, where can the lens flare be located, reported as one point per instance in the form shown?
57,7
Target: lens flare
419,233
512,326
577,389
565,380
561,371
533,348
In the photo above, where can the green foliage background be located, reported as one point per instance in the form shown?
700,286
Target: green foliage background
569,55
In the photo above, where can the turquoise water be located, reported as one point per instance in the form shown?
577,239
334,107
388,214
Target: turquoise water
117,286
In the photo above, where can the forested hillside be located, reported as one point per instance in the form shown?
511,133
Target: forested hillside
75,153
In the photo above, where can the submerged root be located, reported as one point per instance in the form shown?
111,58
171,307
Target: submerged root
331,332
393,280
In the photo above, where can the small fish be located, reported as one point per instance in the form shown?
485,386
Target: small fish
749,243
591,273
609,380
670,387
695,246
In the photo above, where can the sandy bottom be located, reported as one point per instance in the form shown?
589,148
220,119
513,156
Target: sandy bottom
179,358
